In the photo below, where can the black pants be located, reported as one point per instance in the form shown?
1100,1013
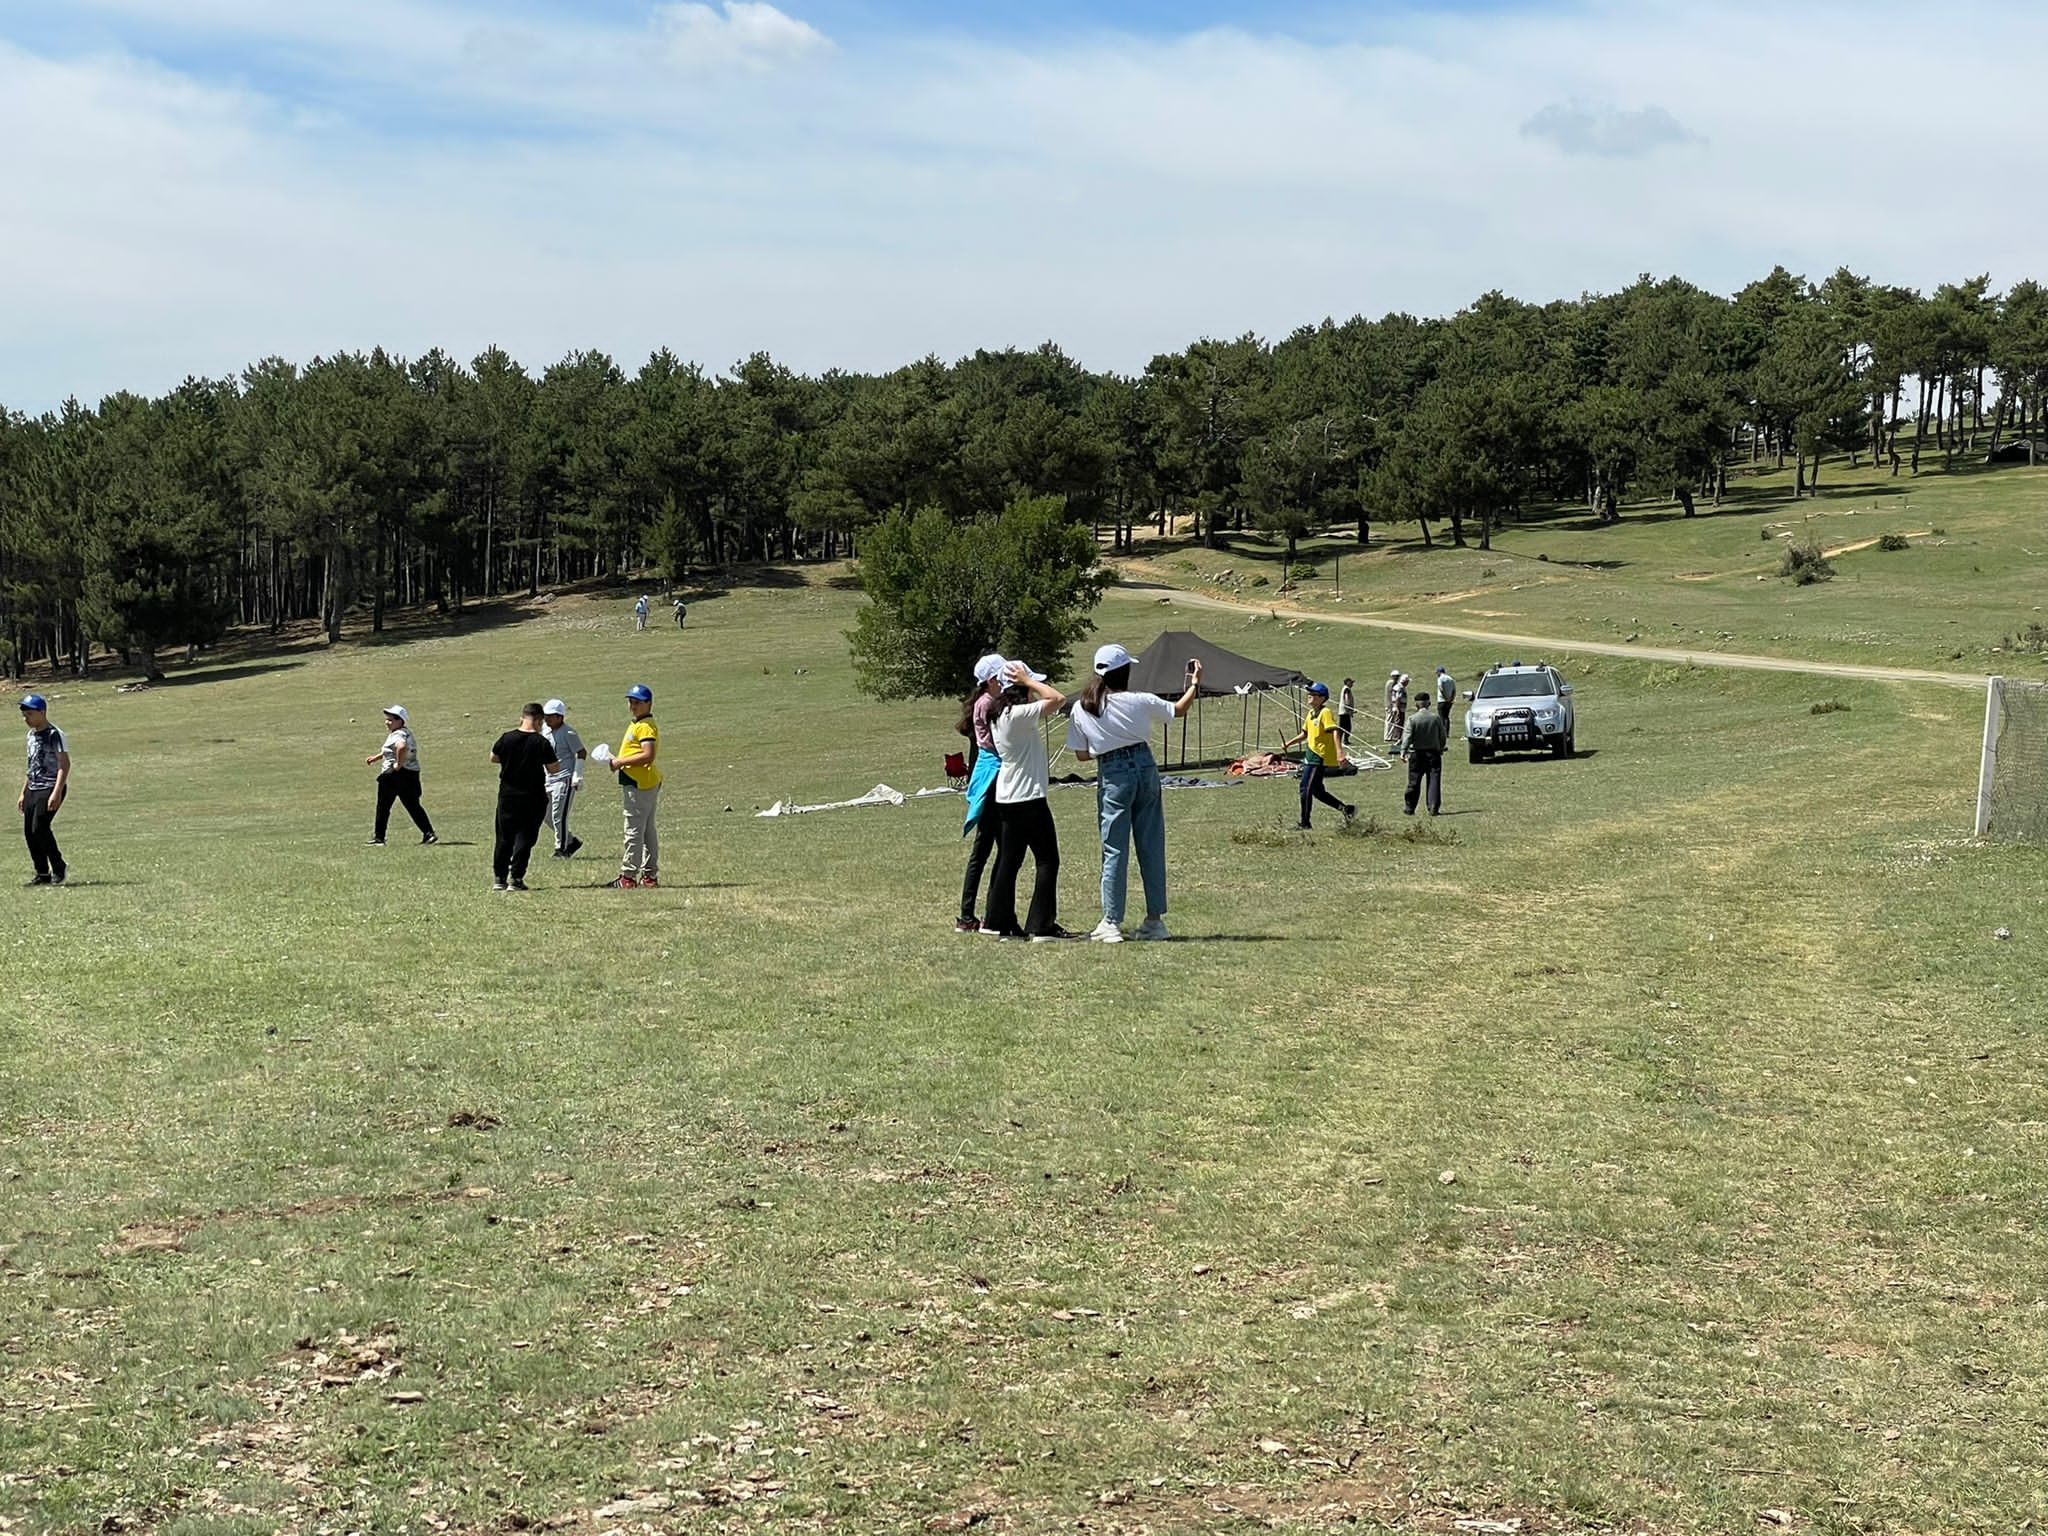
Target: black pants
986,832
519,819
1312,773
1026,826
36,831
1425,766
402,785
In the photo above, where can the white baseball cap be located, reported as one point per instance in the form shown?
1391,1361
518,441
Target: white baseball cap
399,711
1036,677
990,667
1110,657
554,707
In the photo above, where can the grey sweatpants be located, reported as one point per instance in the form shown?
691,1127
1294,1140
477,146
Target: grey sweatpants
561,791
643,842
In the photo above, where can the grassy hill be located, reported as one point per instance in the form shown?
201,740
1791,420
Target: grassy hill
1653,1143
1964,590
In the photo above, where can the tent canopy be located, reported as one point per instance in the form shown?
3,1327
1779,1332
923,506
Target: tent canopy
1162,668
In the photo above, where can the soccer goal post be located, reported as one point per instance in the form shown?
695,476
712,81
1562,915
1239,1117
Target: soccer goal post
2012,781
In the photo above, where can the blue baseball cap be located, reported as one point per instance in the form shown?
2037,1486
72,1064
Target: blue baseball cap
641,692
35,701
1322,690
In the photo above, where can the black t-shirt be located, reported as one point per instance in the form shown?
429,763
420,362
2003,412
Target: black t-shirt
523,758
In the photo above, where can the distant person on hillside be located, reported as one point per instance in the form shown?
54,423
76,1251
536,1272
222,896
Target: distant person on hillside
1319,731
1422,744
681,613
640,612
526,761
562,787
1113,727
1446,696
398,777
1393,725
1345,705
43,791
984,762
1022,811
640,782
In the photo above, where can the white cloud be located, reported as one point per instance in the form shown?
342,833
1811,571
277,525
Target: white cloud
863,204
1578,128
744,32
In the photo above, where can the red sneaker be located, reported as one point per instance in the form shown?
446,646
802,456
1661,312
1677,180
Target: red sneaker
623,883
649,883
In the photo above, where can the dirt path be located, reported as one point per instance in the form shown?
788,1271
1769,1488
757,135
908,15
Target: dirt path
1552,645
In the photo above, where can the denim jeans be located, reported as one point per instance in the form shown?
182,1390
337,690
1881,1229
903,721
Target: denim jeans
1127,797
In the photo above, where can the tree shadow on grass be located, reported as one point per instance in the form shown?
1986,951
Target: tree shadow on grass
204,674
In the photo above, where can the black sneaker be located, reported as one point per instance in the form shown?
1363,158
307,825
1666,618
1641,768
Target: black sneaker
375,842
499,885
1053,935
1350,811
570,851
1302,826
429,840
40,880
518,885
58,877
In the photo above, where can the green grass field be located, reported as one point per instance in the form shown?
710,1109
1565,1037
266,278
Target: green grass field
1653,1144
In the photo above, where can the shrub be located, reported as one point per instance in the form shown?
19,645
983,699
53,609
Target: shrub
1939,533
1805,564
1259,581
1829,707
1301,570
2031,641
1263,837
1891,543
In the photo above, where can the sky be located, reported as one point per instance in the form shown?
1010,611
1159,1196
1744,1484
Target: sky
187,186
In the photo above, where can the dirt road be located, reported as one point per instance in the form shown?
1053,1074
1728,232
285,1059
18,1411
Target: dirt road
1531,646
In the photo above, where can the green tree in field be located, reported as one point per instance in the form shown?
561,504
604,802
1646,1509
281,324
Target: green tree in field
2019,354
941,592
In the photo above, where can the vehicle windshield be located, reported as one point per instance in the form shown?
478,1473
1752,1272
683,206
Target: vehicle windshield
1518,685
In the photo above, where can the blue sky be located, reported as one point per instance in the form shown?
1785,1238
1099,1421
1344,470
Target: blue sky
860,182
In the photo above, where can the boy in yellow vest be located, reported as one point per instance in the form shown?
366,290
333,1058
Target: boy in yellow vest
640,780
1325,751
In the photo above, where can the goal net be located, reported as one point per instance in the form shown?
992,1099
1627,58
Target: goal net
2012,787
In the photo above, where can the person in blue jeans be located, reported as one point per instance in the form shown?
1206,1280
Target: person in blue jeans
1112,727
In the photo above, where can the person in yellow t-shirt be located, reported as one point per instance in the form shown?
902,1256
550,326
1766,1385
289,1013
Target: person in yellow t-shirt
640,781
1325,751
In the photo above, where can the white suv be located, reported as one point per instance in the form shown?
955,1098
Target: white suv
1521,709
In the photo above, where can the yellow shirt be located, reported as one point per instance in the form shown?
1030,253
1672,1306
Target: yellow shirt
1321,730
643,775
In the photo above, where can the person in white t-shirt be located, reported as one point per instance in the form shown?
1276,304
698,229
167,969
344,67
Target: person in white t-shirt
1023,814
1113,727
562,787
398,777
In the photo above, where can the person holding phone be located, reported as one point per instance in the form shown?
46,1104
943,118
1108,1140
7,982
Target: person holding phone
1112,727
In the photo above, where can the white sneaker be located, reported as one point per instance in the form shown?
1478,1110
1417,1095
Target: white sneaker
1153,928
1106,932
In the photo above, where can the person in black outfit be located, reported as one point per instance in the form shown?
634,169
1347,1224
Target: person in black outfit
525,759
